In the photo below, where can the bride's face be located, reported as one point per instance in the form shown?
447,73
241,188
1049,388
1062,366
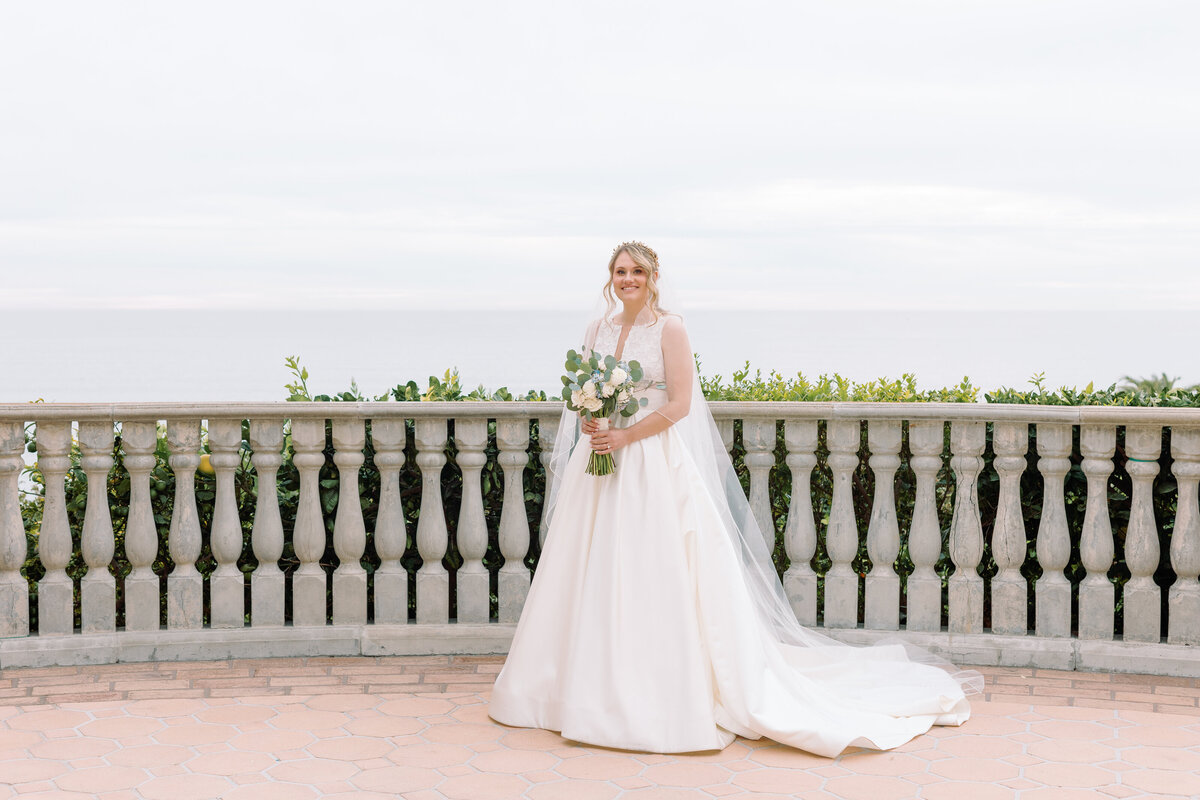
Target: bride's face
629,281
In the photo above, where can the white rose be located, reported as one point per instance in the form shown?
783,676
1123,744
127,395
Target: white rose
619,375
622,398
607,390
589,389
577,398
593,404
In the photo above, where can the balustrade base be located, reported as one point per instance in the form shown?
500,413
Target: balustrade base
209,644
997,650
218,644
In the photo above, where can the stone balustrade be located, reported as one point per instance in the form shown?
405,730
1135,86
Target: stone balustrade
963,588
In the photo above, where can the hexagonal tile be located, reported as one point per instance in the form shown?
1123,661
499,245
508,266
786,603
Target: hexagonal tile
979,746
351,748
429,755
312,770
514,762
120,727
396,779
1071,729
196,734
788,782
230,763
883,763
985,770
573,790
101,779
870,787
599,767
415,707
309,720
686,774
235,714
1078,776
48,720
483,787
1162,781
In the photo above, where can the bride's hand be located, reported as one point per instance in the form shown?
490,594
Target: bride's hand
589,426
609,440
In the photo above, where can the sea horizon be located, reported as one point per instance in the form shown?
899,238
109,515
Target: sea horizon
238,355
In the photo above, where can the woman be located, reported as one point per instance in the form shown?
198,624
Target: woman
656,621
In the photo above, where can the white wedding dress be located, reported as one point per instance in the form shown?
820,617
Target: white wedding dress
639,632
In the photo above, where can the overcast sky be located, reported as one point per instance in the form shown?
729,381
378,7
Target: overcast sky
843,154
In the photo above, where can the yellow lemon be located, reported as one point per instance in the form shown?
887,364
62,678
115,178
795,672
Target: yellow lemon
206,464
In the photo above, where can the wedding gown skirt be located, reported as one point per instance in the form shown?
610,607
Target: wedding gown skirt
639,633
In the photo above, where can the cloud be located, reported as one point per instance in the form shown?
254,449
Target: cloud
792,155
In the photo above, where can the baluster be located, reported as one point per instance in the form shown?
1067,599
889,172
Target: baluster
1053,539
1097,595
349,531
14,590
759,438
800,535
227,585
141,534
433,582
391,579
185,585
513,437
725,428
547,433
309,582
56,591
98,588
1010,593
967,440
474,582
267,581
924,608
882,590
841,537
1143,598
1184,596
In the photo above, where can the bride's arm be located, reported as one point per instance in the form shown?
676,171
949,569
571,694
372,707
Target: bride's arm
678,363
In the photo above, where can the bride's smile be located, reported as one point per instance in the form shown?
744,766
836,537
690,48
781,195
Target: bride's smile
629,282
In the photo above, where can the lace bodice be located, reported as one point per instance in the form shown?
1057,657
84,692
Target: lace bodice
644,345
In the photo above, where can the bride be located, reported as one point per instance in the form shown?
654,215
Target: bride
656,620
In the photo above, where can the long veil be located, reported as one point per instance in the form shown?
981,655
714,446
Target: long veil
699,432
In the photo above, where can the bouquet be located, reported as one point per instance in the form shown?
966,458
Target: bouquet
597,387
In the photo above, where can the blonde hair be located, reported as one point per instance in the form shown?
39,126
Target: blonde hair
645,257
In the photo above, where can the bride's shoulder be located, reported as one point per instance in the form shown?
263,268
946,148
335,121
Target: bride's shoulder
672,321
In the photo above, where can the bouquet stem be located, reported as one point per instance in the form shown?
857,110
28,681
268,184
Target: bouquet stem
601,463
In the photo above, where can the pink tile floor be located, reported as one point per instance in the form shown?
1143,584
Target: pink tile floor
417,728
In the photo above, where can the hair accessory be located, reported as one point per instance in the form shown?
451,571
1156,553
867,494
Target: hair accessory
640,245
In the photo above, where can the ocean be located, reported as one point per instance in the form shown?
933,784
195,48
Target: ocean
225,355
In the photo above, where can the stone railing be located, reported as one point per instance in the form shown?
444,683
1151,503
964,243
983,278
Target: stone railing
273,612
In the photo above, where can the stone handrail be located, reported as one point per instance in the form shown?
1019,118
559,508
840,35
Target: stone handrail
944,614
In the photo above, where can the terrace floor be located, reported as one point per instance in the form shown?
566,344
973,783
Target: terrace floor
417,728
